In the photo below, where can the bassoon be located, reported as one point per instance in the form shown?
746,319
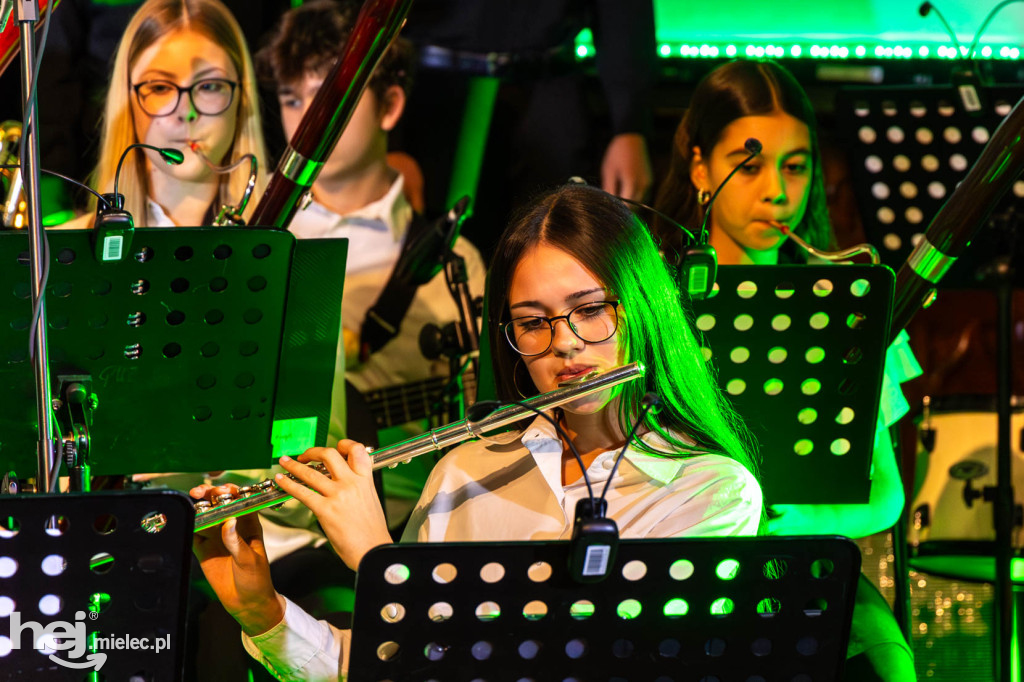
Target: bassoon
376,26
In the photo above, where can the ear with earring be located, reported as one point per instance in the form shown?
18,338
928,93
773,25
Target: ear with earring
515,379
703,197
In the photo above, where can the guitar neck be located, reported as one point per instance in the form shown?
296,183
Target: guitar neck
403,403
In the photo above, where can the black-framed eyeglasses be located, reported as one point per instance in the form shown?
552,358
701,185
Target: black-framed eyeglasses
209,96
591,322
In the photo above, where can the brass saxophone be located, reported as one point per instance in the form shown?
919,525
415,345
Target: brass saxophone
15,210
265,494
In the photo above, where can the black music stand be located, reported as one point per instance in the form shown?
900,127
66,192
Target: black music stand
909,147
181,344
673,609
800,350
898,136
88,559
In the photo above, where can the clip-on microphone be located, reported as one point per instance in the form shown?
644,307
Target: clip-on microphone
114,227
595,537
699,265
701,258
965,77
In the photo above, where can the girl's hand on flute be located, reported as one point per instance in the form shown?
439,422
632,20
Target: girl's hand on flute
345,503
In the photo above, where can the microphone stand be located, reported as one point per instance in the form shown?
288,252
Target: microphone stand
27,13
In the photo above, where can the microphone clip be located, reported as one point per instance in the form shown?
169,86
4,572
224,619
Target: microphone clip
113,229
594,543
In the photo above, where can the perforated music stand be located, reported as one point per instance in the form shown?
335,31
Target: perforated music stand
181,343
676,609
98,561
800,350
909,147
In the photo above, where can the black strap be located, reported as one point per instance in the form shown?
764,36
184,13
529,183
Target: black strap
383,320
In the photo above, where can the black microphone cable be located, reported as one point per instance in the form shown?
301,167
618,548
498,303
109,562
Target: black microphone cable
753,146
984,24
649,402
481,409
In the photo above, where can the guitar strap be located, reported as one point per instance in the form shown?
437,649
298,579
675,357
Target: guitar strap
383,320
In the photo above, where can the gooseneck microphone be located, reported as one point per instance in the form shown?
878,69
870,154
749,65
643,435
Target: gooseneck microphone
753,146
595,536
965,76
172,156
698,266
114,226
927,8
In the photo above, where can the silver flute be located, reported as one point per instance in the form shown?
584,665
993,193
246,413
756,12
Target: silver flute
266,494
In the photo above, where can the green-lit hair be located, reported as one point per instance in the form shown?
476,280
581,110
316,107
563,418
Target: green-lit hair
600,232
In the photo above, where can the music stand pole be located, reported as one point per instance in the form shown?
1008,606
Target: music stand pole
1003,504
27,13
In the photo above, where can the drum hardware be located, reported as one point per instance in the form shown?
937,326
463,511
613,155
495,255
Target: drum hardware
968,469
988,493
951,530
266,494
926,432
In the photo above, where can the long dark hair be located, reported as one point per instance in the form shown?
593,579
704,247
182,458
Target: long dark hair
600,232
734,90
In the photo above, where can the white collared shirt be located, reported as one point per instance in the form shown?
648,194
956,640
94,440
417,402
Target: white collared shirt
481,492
699,495
374,232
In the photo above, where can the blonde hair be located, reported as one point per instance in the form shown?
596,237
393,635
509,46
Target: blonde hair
153,20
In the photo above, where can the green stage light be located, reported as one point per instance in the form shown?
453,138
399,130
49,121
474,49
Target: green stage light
809,50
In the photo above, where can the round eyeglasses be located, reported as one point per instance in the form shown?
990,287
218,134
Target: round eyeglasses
209,97
592,322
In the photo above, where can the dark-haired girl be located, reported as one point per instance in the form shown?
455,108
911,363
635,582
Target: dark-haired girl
577,285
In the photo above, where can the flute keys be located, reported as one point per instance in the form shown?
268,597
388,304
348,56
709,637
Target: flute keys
202,506
223,499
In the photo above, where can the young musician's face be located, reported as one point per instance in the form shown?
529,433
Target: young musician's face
183,58
773,187
548,282
364,140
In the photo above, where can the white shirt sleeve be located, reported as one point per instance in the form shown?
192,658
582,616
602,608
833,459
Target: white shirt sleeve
301,648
